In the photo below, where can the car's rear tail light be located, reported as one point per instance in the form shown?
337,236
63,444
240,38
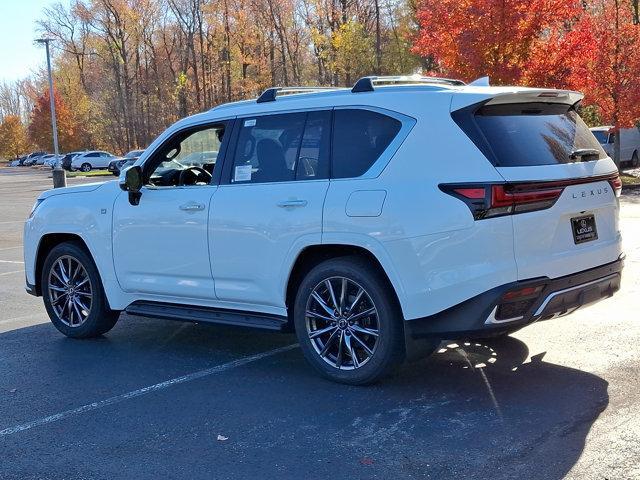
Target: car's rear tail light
616,184
504,199
523,197
497,199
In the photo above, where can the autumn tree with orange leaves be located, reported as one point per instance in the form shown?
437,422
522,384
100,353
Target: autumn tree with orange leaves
13,137
70,134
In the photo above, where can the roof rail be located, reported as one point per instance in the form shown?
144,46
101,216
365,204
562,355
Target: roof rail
366,84
269,95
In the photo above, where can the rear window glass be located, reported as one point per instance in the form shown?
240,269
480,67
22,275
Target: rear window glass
536,134
359,138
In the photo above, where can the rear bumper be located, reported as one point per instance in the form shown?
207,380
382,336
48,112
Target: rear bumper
478,317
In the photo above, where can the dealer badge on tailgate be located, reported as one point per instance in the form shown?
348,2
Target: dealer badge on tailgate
584,229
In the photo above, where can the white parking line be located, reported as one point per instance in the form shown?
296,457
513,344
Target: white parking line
24,317
11,261
143,391
10,273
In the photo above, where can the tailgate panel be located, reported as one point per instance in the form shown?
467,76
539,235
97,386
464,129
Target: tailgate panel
543,241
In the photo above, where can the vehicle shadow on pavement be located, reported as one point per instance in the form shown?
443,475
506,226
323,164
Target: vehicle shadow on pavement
474,409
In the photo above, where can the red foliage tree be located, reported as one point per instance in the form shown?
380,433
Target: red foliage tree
612,72
590,45
473,38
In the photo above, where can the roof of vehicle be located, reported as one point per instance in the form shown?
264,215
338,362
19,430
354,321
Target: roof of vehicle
601,128
92,151
377,88
134,152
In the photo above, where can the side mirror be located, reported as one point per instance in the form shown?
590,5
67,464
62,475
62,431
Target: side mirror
131,181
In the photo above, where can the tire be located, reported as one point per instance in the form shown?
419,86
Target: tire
85,167
86,287
386,349
635,160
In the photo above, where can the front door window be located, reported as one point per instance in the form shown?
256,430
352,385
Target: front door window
188,159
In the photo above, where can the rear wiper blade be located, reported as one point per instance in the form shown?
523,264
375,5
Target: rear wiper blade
584,152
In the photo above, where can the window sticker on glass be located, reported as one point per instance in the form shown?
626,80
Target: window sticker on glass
242,173
250,123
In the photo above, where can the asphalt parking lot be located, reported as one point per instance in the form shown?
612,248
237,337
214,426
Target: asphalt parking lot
161,399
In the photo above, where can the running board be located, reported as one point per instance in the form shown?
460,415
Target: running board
191,313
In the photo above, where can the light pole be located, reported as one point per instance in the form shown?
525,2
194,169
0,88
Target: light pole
59,177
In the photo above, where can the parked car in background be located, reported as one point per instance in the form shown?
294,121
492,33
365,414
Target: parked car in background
629,144
51,160
66,160
199,159
115,166
17,162
32,158
344,216
91,160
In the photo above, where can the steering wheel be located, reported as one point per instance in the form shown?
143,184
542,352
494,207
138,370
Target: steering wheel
197,173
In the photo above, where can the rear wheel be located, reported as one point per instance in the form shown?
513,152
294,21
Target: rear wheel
73,294
86,167
348,325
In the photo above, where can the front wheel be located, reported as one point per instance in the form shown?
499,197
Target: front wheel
349,326
73,294
85,167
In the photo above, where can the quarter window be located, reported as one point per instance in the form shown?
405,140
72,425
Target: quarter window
359,138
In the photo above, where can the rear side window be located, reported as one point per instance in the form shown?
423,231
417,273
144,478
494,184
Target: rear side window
359,138
282,148
529,134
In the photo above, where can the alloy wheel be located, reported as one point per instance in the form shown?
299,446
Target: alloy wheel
70,291
342,323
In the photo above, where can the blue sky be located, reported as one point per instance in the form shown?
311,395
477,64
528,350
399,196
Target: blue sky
19,57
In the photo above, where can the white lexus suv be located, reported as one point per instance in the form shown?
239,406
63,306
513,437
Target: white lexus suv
374,221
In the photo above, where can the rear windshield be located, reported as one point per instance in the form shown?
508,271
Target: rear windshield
526,134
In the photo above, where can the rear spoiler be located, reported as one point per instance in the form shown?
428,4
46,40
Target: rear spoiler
471,95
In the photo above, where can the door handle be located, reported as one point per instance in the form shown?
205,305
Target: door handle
292,203
192,207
